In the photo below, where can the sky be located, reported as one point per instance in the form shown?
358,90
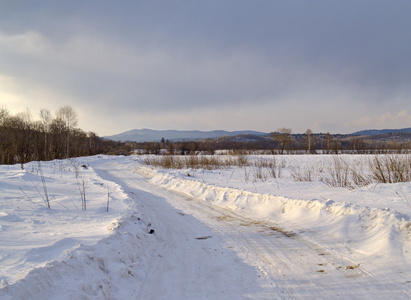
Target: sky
328,66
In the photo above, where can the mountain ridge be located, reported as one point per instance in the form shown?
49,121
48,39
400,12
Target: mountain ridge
150,135
381,131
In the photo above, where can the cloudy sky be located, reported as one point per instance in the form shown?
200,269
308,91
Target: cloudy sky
337,66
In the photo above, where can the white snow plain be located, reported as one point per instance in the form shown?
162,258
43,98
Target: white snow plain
199,234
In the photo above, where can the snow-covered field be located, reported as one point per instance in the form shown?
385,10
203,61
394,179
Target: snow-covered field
231,233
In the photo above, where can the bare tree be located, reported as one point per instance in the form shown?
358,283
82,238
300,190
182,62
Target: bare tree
92,137
329,139
4,114
20,134
69,117
45,116
23,140
282,137
310,139
25,116
58,130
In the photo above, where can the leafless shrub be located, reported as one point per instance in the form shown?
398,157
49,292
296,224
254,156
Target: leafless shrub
259,172
264,167
44,197
359,176
242,160
195,162
391,168
166,162
28,198
275,168
83,195
81,186
303,174
386,168
337,174
261,168
43,181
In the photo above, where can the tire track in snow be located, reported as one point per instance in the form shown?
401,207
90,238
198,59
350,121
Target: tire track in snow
183,266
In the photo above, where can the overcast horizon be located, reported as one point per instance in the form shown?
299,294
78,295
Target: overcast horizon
330,66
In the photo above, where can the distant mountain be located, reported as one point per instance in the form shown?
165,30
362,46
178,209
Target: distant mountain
149,135
382,131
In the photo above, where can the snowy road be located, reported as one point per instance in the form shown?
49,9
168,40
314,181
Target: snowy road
209,252
189,261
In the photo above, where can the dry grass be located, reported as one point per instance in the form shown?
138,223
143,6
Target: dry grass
196,161
303,174
385,168
335,171
337,174
391,168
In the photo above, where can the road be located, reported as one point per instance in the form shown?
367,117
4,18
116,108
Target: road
205,251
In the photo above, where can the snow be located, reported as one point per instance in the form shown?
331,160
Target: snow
199,234
31,234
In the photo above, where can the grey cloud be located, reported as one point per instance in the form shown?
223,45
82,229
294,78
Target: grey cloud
180,56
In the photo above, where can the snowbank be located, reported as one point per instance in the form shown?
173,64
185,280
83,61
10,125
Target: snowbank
370,232
90,271
31,234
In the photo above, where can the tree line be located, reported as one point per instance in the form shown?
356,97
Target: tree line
57,137
52,137
283,141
